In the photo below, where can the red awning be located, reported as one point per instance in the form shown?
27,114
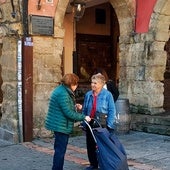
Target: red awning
144,9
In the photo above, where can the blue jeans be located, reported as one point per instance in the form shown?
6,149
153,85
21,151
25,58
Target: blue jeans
60,146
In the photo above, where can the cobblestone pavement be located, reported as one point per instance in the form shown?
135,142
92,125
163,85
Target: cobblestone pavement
144,151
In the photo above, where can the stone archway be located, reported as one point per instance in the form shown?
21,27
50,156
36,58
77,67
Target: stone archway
139,59
142,63
162,36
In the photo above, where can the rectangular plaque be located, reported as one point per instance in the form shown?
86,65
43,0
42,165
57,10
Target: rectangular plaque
41,25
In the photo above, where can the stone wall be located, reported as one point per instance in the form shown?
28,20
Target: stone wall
142,58
10,29
9,120
47,71
142,69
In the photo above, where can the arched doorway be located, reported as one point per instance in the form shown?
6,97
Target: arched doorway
97,35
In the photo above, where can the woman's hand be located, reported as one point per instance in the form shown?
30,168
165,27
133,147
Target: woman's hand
78,107
87,118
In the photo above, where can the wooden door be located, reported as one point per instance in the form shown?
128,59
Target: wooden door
94,51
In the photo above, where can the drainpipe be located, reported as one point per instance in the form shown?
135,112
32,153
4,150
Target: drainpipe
19,87
24,21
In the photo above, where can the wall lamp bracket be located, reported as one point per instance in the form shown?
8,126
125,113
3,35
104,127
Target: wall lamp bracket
78,8
39,5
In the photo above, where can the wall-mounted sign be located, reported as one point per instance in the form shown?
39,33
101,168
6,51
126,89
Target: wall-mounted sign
41,25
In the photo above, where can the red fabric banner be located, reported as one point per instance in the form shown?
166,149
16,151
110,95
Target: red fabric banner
2,1
144,9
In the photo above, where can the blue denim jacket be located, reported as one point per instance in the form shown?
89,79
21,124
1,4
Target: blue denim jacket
105,104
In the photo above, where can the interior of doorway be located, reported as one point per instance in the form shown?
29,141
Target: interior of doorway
94,48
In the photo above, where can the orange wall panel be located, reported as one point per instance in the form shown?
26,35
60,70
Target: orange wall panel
47,8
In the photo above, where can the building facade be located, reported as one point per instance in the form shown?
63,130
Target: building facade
42,40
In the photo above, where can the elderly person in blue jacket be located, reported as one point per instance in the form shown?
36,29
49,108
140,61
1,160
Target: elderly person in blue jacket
98,102
61,116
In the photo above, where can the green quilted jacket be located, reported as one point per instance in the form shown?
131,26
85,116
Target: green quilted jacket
61,111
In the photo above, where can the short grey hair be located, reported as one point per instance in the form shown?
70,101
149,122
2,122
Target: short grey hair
99,77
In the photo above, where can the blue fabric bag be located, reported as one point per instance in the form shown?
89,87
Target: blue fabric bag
110,151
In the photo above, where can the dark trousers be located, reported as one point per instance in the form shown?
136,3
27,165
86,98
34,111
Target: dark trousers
60,146
91,149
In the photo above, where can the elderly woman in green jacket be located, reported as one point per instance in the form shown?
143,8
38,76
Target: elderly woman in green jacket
61,116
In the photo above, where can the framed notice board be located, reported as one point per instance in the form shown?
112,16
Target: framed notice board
41,25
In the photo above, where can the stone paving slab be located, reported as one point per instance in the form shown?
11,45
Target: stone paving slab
19,157
144,151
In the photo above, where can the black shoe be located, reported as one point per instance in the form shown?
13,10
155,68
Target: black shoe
91,167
